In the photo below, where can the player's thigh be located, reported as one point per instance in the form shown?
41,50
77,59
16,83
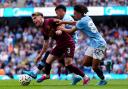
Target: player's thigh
87,61
50,58
95,64
68,61
57,51
69,51
69,54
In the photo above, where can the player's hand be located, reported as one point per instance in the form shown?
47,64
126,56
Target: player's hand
38,58
60,28
57,21
58,32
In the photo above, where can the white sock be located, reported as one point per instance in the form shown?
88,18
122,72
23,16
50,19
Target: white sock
35,70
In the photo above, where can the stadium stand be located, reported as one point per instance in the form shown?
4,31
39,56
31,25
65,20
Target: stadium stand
52,3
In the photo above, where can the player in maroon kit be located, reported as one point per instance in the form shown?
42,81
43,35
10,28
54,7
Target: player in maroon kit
64,46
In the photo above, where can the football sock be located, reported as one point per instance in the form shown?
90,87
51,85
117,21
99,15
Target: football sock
43,61
99,73
47,68
76,70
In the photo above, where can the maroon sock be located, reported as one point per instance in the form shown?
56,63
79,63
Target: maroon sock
76,70
59,70
47,68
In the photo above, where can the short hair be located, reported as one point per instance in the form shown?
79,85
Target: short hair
81,9
37,14
60,7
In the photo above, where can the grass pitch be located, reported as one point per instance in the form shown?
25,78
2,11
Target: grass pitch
63,84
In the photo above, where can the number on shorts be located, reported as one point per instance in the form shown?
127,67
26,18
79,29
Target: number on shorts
99,52
68,50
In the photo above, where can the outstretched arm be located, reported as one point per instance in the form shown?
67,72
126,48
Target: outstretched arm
67,30
65,22
68,22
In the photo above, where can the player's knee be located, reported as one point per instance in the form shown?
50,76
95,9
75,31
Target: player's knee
94,68
68,62
86,64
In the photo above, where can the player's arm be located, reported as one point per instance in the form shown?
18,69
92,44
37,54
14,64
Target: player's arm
43,50
68,22
45,46
73,29
65,22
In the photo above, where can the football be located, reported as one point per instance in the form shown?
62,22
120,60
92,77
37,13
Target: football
25,80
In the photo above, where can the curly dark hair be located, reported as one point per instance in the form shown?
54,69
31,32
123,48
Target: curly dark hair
60,7
81,9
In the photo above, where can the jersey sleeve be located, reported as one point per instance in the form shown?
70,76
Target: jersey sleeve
68,18
80,24
51,21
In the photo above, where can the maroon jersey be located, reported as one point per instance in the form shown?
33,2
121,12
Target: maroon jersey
49,29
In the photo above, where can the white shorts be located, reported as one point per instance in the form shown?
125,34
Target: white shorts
96,53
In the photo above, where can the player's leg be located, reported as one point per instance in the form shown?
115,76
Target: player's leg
87,61
98,54
55,53
69,54
40,66
98,71
48,63
74,69
60,65
88,58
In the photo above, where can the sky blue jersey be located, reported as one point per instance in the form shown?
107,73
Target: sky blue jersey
87,26
69,18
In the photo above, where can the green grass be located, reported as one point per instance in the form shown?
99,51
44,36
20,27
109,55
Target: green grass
61,84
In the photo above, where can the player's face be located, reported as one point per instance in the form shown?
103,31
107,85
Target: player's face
60,13
38,20
77,15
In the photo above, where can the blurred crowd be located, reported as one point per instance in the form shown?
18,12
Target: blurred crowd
20,45
53,3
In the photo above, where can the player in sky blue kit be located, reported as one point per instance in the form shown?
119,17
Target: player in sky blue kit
96,46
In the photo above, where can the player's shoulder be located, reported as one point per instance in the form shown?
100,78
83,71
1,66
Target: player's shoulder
49,19
85,19
68,17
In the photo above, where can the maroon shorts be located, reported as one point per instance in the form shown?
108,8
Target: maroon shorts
66,51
